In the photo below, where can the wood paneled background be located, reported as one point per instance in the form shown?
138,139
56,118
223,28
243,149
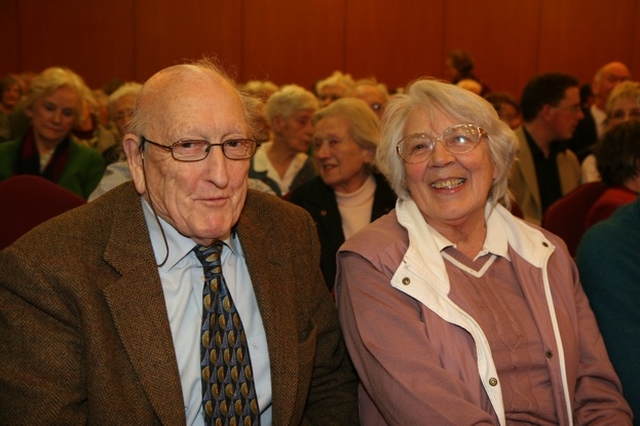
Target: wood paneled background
293,41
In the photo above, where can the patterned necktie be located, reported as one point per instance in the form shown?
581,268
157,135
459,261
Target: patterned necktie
228,390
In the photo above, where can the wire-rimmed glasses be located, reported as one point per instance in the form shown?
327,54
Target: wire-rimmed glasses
197,150
457,139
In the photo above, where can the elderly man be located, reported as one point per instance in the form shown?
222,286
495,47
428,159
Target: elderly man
104,317
592,127
546,170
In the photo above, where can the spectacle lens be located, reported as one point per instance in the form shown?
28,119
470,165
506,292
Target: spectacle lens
458,139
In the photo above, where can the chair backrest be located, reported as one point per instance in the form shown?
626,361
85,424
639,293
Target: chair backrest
566,217
27,201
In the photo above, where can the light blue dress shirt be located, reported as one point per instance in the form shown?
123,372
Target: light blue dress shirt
182,280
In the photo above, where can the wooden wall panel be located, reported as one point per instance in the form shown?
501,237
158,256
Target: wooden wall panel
169,32
579,36
93,39
292,41
502,40
396,42
9,22
634,63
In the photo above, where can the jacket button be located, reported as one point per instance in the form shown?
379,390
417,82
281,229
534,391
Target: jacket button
493,381
406,281
323,212
548,354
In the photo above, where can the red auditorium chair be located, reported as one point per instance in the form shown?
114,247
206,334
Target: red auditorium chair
566,217
27,201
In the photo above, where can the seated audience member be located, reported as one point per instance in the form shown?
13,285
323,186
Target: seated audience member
47,149
334,87
160,302
283,163
593,126
460,67
623,105
507,107
88,131
261,89
122,102
471,85
546,170
102,100
619,165
10,94
609,263
454,311
372,93
349,193
586,96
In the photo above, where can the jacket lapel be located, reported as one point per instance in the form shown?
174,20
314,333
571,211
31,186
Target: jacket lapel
278,316
137,306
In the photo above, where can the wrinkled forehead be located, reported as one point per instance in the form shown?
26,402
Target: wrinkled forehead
432,121
193,98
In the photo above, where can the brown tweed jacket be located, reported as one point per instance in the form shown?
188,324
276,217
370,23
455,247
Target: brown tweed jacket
84,333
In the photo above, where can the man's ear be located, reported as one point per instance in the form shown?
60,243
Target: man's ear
547,111
135,160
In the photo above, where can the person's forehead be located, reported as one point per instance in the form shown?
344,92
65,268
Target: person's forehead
617,70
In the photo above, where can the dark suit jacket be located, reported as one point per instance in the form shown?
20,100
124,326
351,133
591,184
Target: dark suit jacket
320,201
585,136
84,333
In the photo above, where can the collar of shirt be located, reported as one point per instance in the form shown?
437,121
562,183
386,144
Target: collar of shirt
495,241
178,245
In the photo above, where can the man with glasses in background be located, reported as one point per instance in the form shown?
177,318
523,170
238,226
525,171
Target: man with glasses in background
181,297
546,170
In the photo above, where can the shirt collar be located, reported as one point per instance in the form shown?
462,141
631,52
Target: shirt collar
495,241
178,245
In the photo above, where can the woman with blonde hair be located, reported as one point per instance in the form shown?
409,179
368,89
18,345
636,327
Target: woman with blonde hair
53,106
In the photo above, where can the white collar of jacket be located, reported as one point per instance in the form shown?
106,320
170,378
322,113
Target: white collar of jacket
423,276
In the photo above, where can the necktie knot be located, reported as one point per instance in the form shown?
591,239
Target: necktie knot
209,256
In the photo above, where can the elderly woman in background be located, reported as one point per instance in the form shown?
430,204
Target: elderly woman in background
53,106
283,163
453,310
622,105
349,193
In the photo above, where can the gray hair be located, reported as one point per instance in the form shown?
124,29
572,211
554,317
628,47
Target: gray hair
289,100
50,80
363,122
460,105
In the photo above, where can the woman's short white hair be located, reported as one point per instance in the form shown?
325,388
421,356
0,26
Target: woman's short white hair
461,106
289,100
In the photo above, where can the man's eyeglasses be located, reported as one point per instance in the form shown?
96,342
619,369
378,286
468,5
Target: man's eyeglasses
196,150
457,139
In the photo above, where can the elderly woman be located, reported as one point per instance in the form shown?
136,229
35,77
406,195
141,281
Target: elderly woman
453,310
349,193
283,163
53,105
622,105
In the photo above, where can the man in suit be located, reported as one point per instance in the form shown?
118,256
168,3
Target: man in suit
546,170
101,308
591,128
